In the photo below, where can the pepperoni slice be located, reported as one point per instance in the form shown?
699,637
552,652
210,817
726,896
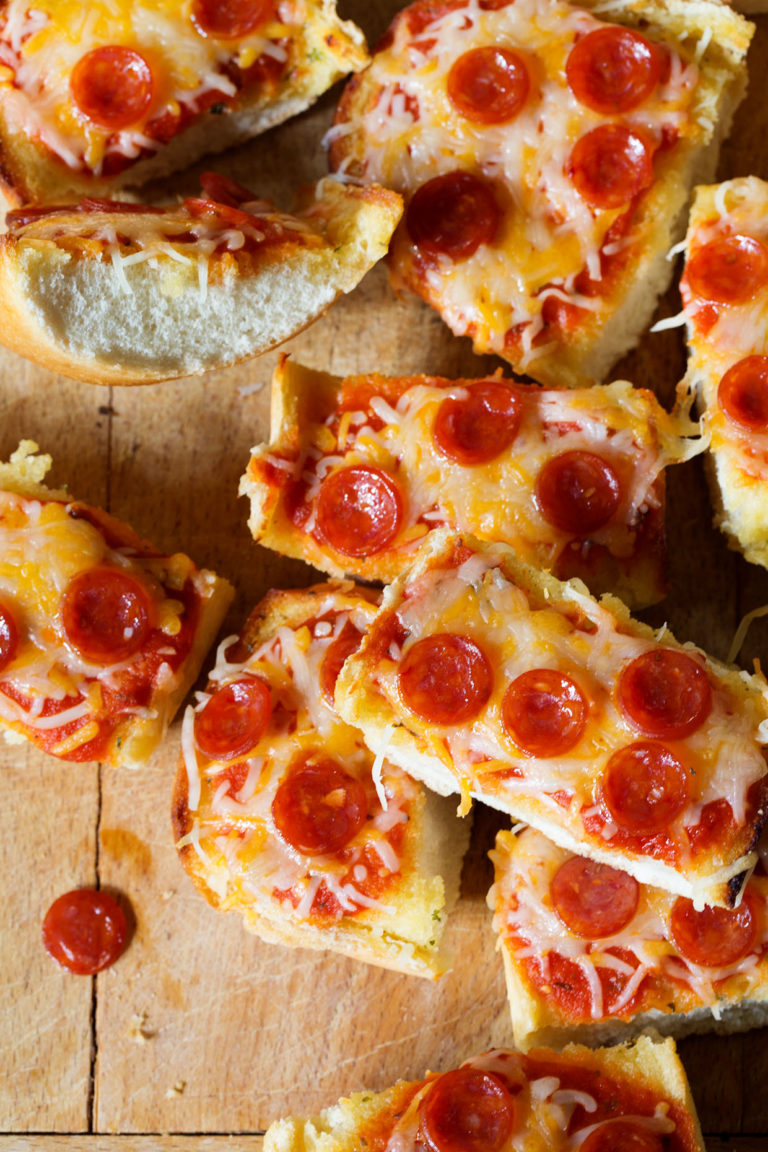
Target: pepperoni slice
593,900
445,678
112,86
229,19
338,651
106,614
578,492
544,712
610,166
665,693
479,427
9,636
453,215
85,931
488,85
234,719
358,510
612,70
743,393
714,937
644,787
318,808
729,270
622,1136
467,1110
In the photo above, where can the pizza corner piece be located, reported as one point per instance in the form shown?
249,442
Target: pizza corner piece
358,470
725,303
546,152
484,676
101,635
282,814
592,955
631,1096
96,97
116,293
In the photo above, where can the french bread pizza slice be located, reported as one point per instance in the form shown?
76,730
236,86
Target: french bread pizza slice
130,294
101,635
97,95
358,471
483,675
546,151
281,813
725,303
631,1098
592,955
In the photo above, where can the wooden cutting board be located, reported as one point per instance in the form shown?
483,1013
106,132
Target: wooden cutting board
202,1030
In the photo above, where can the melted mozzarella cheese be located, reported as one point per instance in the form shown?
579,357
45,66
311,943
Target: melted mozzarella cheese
412,132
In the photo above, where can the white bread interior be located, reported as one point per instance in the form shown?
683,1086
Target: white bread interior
74,312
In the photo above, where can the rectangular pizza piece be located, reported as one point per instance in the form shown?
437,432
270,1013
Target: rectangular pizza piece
358,470
484,676
634,1096
281,813
546,151
591,955
725,301
101,635
97,95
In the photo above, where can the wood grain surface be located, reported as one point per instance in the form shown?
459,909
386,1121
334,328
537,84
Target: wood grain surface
200,1029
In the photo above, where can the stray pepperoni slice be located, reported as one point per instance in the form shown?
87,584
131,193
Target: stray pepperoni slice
467,1110
112,86
358,510
610,166
85,931
577,492
234,719
9,636
713,937
480,426
339,650
612,69
107,614
743,393
665,693
453,215
644,788
445,678
229,19
488,85
622,1136
544,712
319,808
593,900
729,270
